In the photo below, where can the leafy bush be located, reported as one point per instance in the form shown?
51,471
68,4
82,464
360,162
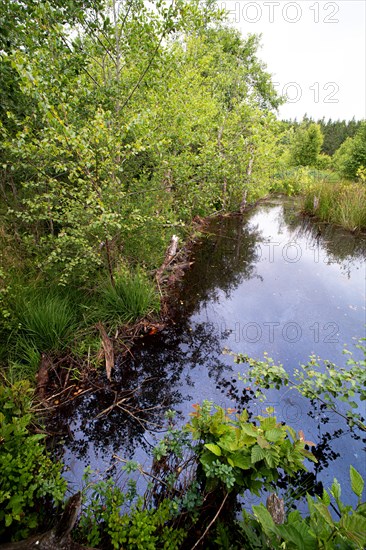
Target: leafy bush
139,528
29,480
184,506
315,380
351,155
242,455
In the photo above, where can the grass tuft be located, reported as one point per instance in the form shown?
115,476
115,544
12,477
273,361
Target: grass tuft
47,321
132,297
342,203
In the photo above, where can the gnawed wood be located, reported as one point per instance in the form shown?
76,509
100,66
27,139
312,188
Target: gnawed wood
276,507
243,203
43,375
170,253
108,350
57,538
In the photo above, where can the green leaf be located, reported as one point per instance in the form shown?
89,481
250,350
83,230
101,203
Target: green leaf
265,519
336,489
268,423
324,512
215,449
357,482
325,498
275,435
298,534
250,430
263,443
355,527
257,454
241,461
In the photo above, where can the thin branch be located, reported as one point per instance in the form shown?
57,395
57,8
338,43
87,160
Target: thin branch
211,523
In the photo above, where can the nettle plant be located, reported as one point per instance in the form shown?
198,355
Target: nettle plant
240,454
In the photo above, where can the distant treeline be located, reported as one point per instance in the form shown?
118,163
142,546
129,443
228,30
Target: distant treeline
335,132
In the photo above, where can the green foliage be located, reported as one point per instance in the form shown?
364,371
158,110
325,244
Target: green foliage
335,132
324,162
306,145
241,454
131,297
342,203
42,321
29,480
294,181
315,380
139,528
98,167
352,154
172,512
46,318
319,529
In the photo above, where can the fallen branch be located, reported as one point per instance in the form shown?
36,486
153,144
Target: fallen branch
108,350
211,523
170,253
43,375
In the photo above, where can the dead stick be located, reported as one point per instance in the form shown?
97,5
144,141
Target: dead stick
211,523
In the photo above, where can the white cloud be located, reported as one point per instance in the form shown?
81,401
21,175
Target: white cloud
319,46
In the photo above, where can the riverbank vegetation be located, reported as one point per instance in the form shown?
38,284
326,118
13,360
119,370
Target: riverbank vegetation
197,475
121,124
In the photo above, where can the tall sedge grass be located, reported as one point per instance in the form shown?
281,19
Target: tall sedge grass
47,319
132,297
342,203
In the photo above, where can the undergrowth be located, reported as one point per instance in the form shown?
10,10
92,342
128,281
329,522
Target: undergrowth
342,203
131,297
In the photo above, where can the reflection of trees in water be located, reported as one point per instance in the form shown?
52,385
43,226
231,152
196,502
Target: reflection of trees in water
145,385
162,368
341,247
221,262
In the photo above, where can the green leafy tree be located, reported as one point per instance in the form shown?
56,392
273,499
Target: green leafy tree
306,145
351,156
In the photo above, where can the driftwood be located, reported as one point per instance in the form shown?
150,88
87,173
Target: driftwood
57,538
276,508
108,350
43,375
243,203
170,253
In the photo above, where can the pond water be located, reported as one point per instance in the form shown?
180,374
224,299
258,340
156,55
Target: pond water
270,281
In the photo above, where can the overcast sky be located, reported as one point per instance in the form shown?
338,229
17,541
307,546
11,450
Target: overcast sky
315,50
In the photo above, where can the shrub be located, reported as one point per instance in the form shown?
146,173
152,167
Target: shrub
30,483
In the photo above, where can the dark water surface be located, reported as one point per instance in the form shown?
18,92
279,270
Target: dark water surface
269,282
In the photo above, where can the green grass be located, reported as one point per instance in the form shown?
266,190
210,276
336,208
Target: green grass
342,203
132,297
47,319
